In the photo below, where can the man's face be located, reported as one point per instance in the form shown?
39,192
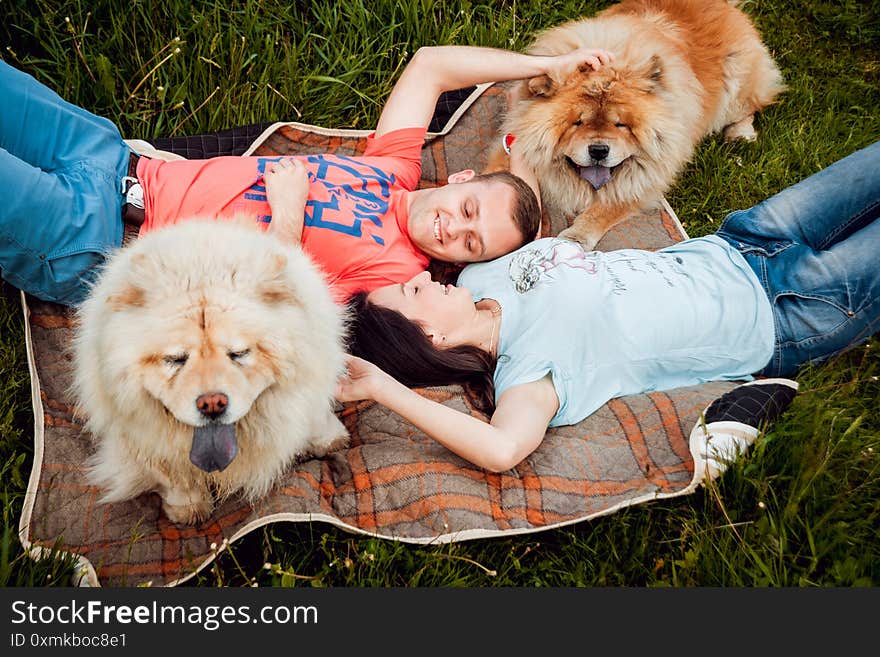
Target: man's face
464,221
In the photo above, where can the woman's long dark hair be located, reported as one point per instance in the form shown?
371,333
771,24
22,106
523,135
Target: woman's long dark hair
401,348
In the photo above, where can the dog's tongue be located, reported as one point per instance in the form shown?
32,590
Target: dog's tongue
213,446
596,175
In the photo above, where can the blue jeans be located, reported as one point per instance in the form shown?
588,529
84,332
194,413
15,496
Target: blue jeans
815,247
60,198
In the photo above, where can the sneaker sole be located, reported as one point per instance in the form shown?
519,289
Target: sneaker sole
794,385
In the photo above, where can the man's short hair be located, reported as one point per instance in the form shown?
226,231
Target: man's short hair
526,209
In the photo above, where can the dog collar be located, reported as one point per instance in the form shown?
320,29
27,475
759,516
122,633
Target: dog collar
506,142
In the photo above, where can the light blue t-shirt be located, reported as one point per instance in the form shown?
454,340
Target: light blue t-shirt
608,324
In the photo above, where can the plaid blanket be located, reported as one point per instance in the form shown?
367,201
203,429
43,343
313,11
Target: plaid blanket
393,481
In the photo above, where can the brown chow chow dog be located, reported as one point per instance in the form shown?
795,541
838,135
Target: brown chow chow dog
205,361
606,143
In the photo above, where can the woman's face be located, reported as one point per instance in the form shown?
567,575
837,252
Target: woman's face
441,310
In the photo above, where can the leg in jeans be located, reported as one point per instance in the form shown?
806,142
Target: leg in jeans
824,302
60,204
815,247
818,211
44,130
55,226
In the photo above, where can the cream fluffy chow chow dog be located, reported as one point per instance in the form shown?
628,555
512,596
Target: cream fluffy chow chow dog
205,361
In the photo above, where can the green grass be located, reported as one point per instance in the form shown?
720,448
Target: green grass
800,510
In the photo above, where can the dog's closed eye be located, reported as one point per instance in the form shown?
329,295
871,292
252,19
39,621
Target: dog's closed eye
176,360
238,355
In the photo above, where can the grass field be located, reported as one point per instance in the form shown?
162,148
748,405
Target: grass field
802,509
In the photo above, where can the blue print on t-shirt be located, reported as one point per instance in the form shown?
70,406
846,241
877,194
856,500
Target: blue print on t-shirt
367,205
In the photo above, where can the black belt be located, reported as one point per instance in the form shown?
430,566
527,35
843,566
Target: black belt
131,214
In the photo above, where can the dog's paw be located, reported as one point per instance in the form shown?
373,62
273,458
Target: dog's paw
588,242
333,436
340,442
188,514
743,129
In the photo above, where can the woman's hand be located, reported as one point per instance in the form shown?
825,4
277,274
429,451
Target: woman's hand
287,189
361,381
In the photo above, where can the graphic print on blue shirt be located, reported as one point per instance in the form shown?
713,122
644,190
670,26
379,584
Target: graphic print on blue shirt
367,205
528,266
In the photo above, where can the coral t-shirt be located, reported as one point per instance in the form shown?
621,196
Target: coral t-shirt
355,218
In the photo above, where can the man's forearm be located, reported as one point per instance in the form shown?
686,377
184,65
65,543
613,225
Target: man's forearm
287,224
456,67
435,69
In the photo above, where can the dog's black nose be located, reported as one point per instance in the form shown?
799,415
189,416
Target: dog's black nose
598,151
212,404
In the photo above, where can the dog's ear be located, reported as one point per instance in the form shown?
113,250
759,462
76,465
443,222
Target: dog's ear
275,288
517,91
132,294
542,85
654,73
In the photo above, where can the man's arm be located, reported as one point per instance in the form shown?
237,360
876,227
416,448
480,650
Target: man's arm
287,188
435,69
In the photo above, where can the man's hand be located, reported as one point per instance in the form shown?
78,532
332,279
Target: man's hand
287,188
560,66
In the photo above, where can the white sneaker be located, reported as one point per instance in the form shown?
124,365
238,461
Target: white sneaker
733,421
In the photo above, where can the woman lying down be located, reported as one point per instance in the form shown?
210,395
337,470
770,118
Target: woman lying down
546,335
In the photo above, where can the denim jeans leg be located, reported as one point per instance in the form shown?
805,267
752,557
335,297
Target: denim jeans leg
54,226
824,302
819,210
60,199
46,131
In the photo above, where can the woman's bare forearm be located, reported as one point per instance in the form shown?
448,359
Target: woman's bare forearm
495,446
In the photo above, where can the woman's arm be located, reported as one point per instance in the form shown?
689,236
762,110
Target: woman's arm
515,431
287,189
435,69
